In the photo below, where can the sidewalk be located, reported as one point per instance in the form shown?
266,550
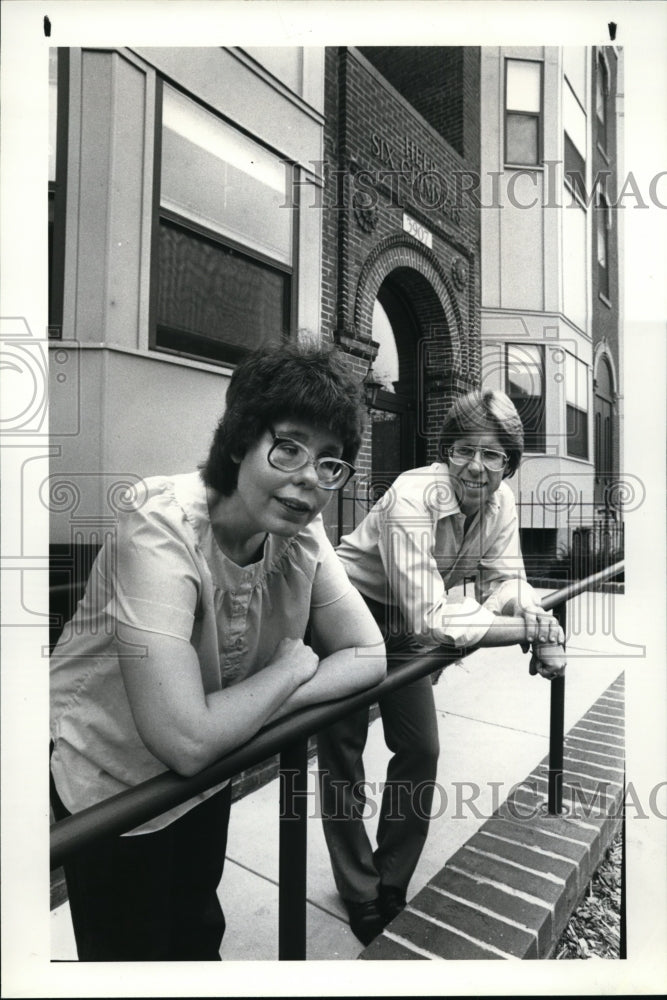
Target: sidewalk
493,724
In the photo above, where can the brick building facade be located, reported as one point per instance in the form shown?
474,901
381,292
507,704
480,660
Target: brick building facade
376,197
606,287
551,303
400,253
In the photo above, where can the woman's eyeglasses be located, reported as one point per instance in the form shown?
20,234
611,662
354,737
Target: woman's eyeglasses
290,456
492,460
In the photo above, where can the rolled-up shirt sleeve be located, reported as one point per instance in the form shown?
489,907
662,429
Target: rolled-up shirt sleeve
406,543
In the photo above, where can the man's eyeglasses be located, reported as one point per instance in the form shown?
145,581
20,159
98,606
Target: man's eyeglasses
492,460
290,456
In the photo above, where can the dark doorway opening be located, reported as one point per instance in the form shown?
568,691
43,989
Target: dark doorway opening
395,442
604,434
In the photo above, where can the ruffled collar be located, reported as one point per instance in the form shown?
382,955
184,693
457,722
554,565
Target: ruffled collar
190,494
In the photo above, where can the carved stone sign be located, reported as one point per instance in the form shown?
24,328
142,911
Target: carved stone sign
410,171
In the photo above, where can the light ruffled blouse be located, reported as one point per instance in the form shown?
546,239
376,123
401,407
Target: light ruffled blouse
163,572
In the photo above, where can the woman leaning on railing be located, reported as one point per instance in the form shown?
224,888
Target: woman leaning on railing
189,639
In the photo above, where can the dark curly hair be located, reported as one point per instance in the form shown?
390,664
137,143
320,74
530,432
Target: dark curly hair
482,409
294,381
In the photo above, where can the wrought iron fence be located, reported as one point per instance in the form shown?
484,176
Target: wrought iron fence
564,537
577,537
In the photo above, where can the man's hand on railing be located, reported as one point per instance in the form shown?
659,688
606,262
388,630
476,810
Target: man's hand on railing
541,625
548,659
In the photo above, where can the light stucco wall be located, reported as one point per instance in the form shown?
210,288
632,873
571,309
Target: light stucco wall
139,412
536,269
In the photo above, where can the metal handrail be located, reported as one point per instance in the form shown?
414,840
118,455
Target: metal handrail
137,805
288,736
558,602
576,587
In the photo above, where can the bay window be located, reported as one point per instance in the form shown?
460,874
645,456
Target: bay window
574,142
524,371
576,403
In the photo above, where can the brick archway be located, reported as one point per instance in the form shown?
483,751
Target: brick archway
434,348
401,254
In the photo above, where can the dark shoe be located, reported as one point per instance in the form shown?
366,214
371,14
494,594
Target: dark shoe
366,919
392,901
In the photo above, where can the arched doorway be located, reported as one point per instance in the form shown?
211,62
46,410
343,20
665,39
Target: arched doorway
396,444
604,430
406,304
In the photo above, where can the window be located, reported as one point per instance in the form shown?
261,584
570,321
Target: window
604,401
223,248
601,92
603,446
574,222
57,161
213,301
574,142
598,446
524,366
53,127
602,226
53,112
523,112
576,261
576,401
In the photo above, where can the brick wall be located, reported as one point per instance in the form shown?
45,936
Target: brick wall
605,312
441,84
388,153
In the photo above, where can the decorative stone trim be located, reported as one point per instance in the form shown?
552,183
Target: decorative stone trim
366,349
459,273
367,218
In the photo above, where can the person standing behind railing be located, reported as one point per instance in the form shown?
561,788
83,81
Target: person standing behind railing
190,638
434,528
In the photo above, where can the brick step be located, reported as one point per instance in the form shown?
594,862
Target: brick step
511,889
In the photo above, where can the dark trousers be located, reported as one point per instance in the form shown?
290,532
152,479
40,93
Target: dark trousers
152,896
411,733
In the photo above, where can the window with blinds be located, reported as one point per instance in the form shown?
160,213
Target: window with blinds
223,250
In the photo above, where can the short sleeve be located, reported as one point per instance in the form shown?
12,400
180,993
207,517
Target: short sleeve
330,582
154,580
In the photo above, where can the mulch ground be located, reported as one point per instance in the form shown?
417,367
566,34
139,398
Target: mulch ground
594,930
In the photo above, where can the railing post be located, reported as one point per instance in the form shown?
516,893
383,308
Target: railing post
556,731
293,852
